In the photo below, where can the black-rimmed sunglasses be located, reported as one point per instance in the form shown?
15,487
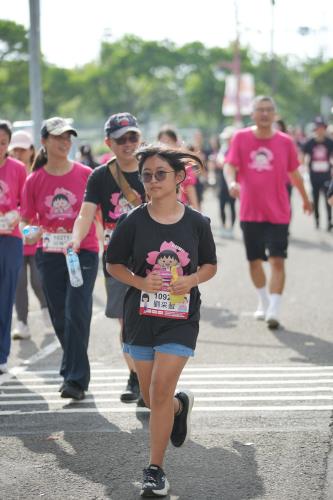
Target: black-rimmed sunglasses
133,138
159,176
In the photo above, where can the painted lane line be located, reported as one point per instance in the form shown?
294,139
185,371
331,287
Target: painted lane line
16,385
205,409
41,394
198,399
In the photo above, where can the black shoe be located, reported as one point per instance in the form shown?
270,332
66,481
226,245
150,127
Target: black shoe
132,392
71,390
140,402
154,483
182,425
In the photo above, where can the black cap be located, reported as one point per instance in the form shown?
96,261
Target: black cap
119,124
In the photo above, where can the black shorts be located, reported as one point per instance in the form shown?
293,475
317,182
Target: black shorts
264,239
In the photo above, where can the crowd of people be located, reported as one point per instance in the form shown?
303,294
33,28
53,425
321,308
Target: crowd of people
141,211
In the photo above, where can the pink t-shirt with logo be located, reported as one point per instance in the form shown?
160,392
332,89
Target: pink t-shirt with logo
56,201
12,178
190,180
263,166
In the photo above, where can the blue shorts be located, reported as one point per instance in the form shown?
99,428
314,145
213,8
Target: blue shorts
147,353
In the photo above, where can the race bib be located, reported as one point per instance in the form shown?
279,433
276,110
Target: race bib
320,166
56,242
4,225
108,230
164,305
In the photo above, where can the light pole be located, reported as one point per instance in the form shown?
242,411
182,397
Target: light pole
273,82
36,97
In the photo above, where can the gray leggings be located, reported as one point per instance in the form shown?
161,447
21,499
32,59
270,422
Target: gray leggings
21,299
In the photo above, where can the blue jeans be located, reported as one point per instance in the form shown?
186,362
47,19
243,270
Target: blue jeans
147,353
70,310
11,257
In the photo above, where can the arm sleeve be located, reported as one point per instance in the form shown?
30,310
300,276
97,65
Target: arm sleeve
120,247
293,162
233,154
28,203
207,249
93,188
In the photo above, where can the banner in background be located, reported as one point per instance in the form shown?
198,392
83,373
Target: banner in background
246,95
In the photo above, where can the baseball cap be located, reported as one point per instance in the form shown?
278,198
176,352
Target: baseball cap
319,122
57,126
119,124
20,139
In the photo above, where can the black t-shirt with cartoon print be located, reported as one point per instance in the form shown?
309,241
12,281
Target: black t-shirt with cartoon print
187,244
321,154
102,190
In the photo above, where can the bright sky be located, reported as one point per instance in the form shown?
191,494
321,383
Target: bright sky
72,30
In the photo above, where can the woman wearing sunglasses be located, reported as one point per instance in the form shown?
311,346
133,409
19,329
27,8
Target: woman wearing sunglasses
171,250
105,190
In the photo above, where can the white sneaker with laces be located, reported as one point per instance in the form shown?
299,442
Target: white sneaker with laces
3,368
46,319
21,331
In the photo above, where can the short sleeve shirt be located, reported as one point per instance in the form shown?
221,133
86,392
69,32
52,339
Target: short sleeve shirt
263,166
12,177
320,154
143,241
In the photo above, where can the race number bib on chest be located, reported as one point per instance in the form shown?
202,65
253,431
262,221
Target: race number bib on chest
320,166
56,242
108,230
164,305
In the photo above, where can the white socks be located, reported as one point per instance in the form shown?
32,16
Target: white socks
274,306
263,303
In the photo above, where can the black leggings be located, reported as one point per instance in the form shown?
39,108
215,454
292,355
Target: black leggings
318,187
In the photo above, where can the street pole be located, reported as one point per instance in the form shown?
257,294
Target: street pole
273,69
36,97
237,69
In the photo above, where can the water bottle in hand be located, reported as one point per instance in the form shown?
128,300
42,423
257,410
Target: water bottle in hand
74,268
28,231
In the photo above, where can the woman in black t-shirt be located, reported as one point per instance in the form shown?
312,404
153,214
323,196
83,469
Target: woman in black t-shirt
171,250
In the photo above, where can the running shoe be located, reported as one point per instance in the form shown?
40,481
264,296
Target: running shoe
21,331
132,391
154,483
272,321
71,390
182,424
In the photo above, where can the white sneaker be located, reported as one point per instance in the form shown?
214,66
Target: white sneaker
21,331
46,319
259,314
272,321
3,368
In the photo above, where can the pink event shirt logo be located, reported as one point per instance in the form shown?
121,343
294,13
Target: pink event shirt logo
121,206
4,189
261,159
61,204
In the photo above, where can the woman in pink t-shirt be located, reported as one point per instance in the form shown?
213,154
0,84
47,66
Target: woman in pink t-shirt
12,177
53,194
21,147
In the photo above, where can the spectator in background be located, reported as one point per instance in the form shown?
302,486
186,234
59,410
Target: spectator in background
318,153
188,194
86,157
223,192
22,148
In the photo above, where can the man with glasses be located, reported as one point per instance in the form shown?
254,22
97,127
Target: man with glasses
263,158
115,188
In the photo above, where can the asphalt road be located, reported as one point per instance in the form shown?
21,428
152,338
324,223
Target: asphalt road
263,409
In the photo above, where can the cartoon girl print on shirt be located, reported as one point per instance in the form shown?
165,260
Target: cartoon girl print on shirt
261,159
167,260
121,206
4,189
61,204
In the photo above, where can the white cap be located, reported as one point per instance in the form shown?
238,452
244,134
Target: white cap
57,126
20,139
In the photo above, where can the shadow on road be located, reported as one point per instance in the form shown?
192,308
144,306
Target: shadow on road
219,316
323,246
311,349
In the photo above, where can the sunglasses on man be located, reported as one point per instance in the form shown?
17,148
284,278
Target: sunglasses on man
132,137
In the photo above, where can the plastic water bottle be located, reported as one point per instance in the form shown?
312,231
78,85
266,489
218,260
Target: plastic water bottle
74,268
28,231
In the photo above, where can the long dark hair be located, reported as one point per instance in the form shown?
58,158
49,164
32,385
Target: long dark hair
177,158
41,156
6,126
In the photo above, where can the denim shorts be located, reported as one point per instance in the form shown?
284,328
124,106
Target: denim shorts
147,353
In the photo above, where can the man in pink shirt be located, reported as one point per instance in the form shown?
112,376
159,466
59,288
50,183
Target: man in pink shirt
263,159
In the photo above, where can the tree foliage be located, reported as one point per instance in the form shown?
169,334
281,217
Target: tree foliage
157,81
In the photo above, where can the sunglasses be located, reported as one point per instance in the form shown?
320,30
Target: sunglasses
132,138
159,176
